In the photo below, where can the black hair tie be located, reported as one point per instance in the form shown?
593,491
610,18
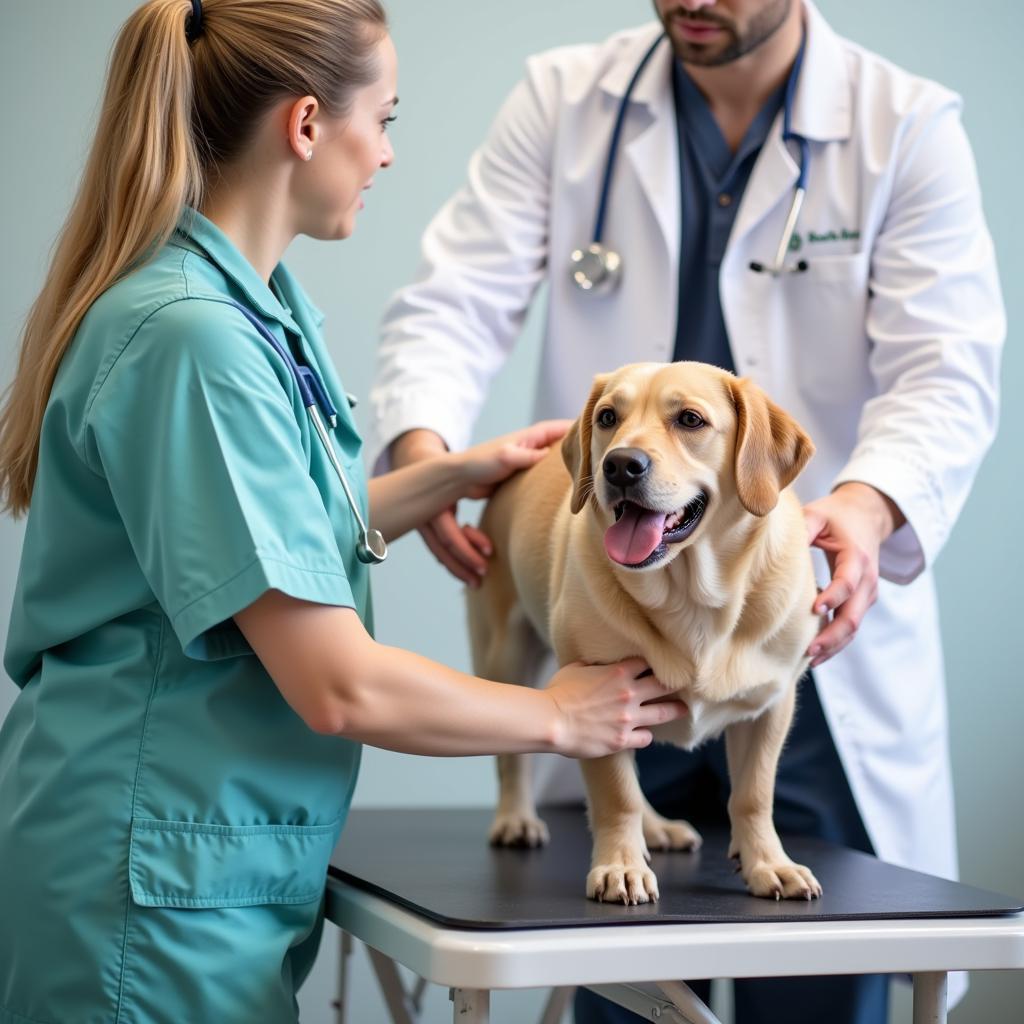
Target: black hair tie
194,22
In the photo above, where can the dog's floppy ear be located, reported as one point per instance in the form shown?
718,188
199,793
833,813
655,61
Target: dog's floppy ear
576,447
771,448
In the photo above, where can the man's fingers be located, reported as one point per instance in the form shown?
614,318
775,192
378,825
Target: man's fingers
478,539
450,536
447,559
815,523
850,567
842,629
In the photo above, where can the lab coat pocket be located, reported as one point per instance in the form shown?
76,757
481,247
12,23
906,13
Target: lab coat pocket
840,268
199,865
820,331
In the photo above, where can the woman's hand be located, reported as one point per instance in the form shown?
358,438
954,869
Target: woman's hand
462,548
486,465
603,709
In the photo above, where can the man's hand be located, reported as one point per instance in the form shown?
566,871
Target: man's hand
849,525
462,550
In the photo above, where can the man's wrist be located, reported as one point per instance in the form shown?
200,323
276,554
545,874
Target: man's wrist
886,513
415,445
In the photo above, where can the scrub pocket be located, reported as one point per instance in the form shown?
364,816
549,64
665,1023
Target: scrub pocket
224,920
192,864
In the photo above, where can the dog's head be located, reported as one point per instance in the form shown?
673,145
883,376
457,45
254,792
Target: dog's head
658,446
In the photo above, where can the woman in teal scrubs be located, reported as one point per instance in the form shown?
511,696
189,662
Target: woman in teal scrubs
191,627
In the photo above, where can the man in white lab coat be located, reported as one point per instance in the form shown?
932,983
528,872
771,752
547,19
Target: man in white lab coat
881,335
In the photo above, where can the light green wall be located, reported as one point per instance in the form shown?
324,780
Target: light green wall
458,59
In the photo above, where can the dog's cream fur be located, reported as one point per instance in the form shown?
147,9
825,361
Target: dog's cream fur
723,617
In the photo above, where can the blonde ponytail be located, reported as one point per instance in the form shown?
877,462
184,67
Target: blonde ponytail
162,95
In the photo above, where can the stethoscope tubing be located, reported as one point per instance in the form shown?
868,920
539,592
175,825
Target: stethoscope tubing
613,145
371,548
609,262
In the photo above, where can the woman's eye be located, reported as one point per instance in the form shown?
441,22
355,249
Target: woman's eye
690,419
388,120
606,418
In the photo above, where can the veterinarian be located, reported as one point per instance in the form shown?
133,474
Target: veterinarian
169,801
787,205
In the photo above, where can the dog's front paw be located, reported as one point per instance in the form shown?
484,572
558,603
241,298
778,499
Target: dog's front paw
664,834
622,883
781,880
518,828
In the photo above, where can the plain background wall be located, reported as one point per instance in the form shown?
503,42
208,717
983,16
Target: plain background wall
458,58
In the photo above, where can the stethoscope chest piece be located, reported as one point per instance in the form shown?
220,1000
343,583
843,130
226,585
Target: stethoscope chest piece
372,549
595,269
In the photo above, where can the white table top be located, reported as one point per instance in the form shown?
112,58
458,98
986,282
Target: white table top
531,958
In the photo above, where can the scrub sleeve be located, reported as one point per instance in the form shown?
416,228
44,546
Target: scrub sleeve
197,429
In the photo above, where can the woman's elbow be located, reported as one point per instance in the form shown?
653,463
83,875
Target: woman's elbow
332,707
327,717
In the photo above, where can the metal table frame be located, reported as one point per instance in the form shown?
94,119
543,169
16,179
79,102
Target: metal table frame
635,965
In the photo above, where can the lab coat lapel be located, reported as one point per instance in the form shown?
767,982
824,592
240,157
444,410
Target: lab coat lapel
771,183
822,111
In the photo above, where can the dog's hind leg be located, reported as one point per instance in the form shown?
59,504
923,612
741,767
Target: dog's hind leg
661,833
506,648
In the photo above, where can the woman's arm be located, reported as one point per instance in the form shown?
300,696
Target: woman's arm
407,498
342,682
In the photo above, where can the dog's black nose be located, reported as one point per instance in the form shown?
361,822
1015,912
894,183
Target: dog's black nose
625,466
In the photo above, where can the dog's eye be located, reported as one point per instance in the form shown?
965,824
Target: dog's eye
690,419
606,418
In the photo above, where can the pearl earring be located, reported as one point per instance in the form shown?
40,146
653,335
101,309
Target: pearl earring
309,154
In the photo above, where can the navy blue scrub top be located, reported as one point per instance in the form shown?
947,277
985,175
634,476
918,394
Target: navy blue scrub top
711,181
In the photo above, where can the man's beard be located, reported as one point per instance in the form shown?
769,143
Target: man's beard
762,27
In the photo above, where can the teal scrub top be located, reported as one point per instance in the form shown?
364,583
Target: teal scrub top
149,760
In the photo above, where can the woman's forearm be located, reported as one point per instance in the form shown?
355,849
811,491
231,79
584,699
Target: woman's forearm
342,682
402,701
406,498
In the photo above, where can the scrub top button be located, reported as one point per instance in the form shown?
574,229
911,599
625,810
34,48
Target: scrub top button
724,199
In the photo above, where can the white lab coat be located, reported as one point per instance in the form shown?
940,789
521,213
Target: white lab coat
886,349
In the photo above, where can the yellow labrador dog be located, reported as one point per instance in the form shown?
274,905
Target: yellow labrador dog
672,537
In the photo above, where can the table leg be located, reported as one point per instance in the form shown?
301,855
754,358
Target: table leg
345,946
402,1008
471,1006
557,1004
930,998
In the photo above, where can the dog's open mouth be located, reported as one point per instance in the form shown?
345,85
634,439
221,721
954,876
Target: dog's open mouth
640,536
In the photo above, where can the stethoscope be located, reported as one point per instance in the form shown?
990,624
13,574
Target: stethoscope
597,269
371,548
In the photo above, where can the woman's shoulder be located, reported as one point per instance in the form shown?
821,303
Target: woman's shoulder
150,325
172,287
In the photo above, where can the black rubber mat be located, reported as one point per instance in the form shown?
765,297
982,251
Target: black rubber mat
438,863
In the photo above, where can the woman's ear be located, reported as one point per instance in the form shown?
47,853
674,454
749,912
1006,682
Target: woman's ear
771,448
303,127
576,447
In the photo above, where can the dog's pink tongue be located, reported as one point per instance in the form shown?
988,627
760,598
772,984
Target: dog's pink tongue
635,536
